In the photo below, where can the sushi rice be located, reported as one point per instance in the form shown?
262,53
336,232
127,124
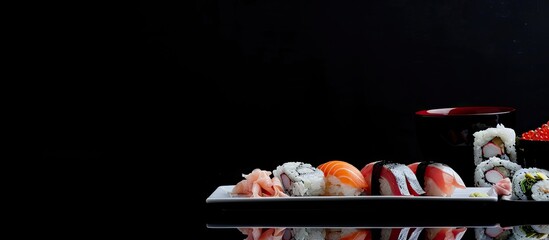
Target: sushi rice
495,232
528,232
503,169
541,228
540,191
300,179
304,234
524,181
483,137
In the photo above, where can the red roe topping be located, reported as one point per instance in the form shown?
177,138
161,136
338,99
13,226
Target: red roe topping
538,134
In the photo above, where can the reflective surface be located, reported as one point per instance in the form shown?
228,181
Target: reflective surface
536,231
504,221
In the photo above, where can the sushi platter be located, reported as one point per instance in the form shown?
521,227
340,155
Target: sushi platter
460,201
223,195
454,232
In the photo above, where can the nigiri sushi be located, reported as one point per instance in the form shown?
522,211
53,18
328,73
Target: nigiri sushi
342,179
453,233
393,179
394,233
437,179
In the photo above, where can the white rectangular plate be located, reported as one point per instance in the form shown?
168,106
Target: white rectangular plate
223,195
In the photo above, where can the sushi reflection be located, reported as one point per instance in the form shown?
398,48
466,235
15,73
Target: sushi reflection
443,233
516,232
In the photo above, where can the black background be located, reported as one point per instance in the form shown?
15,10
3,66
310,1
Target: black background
221,87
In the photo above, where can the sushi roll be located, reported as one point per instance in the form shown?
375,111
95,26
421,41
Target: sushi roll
347,234
391,179
540,190
304,234
300,179
342,179
531,184
531,232
437,179
541,229
493,170
491,233
498,141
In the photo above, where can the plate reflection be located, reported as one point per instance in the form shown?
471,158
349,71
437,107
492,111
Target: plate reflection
531,232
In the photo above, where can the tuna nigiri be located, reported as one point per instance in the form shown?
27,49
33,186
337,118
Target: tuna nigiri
437,179
386,178
342,179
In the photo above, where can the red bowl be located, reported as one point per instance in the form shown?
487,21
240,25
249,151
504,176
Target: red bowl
446,134
466,111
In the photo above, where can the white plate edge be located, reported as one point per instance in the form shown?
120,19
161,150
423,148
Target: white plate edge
227,188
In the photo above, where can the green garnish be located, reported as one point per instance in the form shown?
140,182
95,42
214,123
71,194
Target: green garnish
529,181
478,194
526,184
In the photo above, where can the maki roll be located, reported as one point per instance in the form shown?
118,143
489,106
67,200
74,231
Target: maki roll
494,142
304,234
531,232
437,179
342,179
391,179
497,232
531,184
300,179
491,171
347,234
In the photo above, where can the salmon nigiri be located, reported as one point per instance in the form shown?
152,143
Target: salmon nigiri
437,179
342,179
391,179
349,234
